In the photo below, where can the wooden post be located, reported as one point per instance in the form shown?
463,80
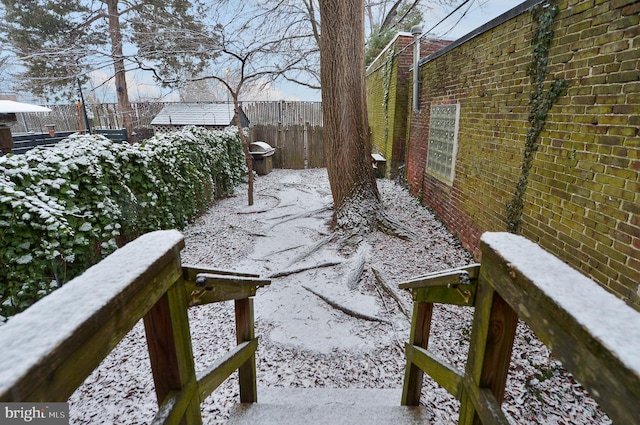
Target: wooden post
420,329
494,327
6,141
245,331
170,353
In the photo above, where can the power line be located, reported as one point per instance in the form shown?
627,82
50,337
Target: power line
458,21
424,34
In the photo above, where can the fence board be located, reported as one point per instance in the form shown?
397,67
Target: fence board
294,128
297,146
315,145
292,145
284,113
105,115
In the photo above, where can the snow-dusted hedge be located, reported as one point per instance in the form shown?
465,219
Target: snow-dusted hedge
62,209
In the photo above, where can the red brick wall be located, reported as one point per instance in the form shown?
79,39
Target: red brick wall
583,197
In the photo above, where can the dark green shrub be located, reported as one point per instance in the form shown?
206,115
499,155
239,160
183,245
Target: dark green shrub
64,208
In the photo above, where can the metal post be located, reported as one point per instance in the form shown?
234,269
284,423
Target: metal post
416,32
85,118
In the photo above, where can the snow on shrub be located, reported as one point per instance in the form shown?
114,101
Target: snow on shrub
64,208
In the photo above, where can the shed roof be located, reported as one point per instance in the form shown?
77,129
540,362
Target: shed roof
11,107
209,114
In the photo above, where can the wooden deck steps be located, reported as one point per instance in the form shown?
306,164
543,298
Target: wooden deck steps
327,406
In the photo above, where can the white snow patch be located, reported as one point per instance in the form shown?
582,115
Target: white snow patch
85,227
25,259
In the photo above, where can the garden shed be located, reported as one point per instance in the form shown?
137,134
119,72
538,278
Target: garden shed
209,115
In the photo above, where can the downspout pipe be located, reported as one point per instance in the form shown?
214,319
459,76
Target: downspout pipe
416,32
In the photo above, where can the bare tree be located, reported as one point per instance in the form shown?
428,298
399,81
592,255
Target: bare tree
383,19
253,46
122,93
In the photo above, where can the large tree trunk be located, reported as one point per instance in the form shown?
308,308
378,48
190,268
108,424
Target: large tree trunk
347,145
124,106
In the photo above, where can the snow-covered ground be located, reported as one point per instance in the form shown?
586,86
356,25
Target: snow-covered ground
306,343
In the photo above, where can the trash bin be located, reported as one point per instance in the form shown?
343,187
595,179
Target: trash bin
379,165
262,157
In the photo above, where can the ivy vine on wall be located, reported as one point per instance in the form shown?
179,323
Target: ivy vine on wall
543,97
387,71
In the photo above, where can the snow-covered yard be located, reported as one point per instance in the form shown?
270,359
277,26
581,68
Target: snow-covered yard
306,343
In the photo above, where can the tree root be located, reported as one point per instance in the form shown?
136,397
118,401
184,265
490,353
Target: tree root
399,344
312,248
381,279
346,310
303,269
307,214
353,276
266,257
393,227
265,209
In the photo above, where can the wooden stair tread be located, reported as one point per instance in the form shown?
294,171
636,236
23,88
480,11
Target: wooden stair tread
323,396
315,406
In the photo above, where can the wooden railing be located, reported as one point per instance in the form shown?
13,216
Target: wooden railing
595,335
49,349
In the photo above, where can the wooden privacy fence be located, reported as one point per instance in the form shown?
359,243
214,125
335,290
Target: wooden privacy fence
105,115
50,349
283,112
594,334
297,146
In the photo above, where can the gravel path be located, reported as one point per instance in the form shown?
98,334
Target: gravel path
306,343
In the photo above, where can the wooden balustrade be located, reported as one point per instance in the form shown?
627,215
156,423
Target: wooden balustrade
593,333
50,349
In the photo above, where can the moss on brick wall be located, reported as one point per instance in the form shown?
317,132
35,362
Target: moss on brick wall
387,96
582,200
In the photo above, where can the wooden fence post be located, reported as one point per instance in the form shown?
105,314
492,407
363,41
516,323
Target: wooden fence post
245,331
492,335
420,329
170,353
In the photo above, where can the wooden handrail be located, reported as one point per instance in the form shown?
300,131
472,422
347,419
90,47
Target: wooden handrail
593,333
56,343
50,348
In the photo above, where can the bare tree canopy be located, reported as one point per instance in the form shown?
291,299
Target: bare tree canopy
240,46
391,17
382,20
58,42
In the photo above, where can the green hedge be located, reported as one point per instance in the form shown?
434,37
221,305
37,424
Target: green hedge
64,208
